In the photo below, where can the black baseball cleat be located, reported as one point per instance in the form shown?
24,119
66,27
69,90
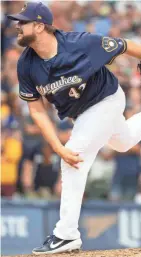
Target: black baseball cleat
54,244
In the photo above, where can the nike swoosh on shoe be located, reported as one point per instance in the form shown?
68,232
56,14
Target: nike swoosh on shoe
52,246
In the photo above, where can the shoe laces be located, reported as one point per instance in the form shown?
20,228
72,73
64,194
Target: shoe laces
48,239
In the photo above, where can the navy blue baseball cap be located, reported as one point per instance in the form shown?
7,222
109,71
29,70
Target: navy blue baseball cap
34,11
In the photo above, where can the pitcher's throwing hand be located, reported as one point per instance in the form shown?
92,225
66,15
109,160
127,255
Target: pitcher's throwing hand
71,157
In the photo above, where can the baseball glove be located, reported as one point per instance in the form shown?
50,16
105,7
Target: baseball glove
139,67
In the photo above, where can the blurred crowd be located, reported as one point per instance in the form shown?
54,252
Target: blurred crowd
29,167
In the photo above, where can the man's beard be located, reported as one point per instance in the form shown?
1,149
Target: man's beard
26,40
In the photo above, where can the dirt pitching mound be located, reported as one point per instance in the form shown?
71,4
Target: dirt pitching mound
107,253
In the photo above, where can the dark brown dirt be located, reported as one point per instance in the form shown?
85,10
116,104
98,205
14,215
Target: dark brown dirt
107,253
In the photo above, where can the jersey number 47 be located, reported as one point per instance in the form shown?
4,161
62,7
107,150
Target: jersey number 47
76,92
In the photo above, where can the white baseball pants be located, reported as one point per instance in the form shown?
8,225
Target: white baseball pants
101,124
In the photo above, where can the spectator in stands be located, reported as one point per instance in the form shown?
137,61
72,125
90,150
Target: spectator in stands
31,145
11,153
9,71
47,172
39,180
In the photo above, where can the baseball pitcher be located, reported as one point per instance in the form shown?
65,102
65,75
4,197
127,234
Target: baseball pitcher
68,69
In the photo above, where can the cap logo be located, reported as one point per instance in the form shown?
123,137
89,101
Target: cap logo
39,17
24,8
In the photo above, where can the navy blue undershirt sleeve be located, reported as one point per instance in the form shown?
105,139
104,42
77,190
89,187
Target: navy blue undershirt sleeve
27,90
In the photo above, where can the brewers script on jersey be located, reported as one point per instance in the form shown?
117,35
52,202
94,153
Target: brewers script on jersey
77,82
71,80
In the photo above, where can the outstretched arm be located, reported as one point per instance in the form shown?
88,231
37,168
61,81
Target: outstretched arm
42,120
133,49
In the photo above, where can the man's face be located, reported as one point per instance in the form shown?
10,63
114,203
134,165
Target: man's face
26,33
